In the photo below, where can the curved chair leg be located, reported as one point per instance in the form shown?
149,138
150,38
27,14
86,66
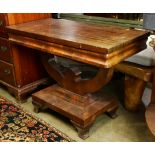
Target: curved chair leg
134,89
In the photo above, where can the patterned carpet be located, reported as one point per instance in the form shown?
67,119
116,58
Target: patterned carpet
20,126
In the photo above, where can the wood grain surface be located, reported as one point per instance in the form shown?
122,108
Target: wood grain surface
99,45
91,37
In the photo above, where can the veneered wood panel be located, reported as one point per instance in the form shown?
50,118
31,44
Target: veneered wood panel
93,58
16,18
91,37
28,67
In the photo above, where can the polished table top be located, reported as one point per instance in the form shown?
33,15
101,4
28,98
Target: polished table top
99,45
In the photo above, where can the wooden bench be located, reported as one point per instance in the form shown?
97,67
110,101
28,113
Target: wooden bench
136,76
135,80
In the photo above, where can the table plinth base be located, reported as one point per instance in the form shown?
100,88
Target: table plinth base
81,110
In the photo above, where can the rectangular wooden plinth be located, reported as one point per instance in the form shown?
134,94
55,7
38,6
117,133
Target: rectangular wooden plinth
80,109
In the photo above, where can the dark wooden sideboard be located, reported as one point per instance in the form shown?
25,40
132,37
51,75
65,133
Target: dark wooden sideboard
20,68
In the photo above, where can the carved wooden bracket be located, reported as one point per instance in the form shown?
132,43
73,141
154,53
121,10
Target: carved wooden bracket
70,78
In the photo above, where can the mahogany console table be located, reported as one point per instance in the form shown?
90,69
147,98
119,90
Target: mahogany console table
102,46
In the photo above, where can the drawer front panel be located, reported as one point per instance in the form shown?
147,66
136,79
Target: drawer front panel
2,25
5,51
7,73
2,21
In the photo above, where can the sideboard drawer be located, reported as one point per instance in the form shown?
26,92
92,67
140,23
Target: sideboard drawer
5,51
7,73
2,21
2,26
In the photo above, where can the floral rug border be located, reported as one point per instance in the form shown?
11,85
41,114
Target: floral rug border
38,119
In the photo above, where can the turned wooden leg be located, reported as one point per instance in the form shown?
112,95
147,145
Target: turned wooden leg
134,89
83,132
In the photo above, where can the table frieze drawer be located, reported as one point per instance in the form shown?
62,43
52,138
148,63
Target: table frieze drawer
5,51
7,73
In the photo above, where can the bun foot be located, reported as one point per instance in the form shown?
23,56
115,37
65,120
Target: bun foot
112,113
38,107
83,132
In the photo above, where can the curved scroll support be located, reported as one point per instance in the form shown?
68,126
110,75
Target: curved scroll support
72,81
